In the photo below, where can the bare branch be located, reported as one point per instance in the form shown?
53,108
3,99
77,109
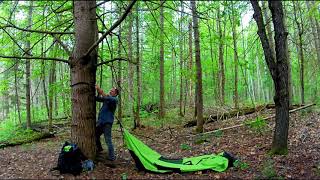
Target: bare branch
114,59
62,44
36,58
15,41
9,68
116,24
99,4
35,31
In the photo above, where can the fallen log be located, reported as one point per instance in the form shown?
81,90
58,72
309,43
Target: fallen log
237,112
233,113
239,125
24,141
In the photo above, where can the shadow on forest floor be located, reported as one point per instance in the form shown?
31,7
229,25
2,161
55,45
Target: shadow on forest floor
249,144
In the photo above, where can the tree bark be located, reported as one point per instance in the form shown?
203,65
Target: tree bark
162,94
131,70
51,92
16,68
119,81
190,64
28,67
83,78
289,59
296,8
138,66
199,102
221,61
278,66
181,113
235,54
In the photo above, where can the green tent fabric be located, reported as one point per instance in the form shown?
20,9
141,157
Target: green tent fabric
147,158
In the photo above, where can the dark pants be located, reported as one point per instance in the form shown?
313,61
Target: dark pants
106,130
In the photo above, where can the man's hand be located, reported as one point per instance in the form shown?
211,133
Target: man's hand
100,91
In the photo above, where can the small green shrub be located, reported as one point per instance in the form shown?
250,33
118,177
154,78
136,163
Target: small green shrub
238,164
218,134
258,125
268,169
185,147
124,176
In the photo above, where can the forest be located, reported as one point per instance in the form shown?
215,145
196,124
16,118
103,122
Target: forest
192,77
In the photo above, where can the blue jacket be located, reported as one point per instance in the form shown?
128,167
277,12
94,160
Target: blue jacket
106,114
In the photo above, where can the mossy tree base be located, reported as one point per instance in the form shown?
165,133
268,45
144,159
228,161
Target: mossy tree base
278,151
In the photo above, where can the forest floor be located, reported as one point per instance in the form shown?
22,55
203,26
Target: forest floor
250,145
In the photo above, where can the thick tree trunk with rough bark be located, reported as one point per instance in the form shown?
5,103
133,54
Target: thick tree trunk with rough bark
162,99
278,66
83,78
199,102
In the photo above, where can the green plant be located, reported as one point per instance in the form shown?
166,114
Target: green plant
317,169
238,164
268,170
218,134
124,176
258,125
185,147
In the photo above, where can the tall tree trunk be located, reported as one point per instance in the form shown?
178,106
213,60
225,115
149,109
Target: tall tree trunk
190,64
131,66
221,61
28,67
296,8
289,59
162,98
278,66
199,103
83,78
44,86
51,92
16,85
174,76
119,81
181,113
138,66
235,54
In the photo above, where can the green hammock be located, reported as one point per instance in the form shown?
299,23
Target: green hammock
148,159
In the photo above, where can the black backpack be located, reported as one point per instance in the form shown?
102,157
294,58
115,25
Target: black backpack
70,159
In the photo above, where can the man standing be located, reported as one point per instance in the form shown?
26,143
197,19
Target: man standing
106,118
